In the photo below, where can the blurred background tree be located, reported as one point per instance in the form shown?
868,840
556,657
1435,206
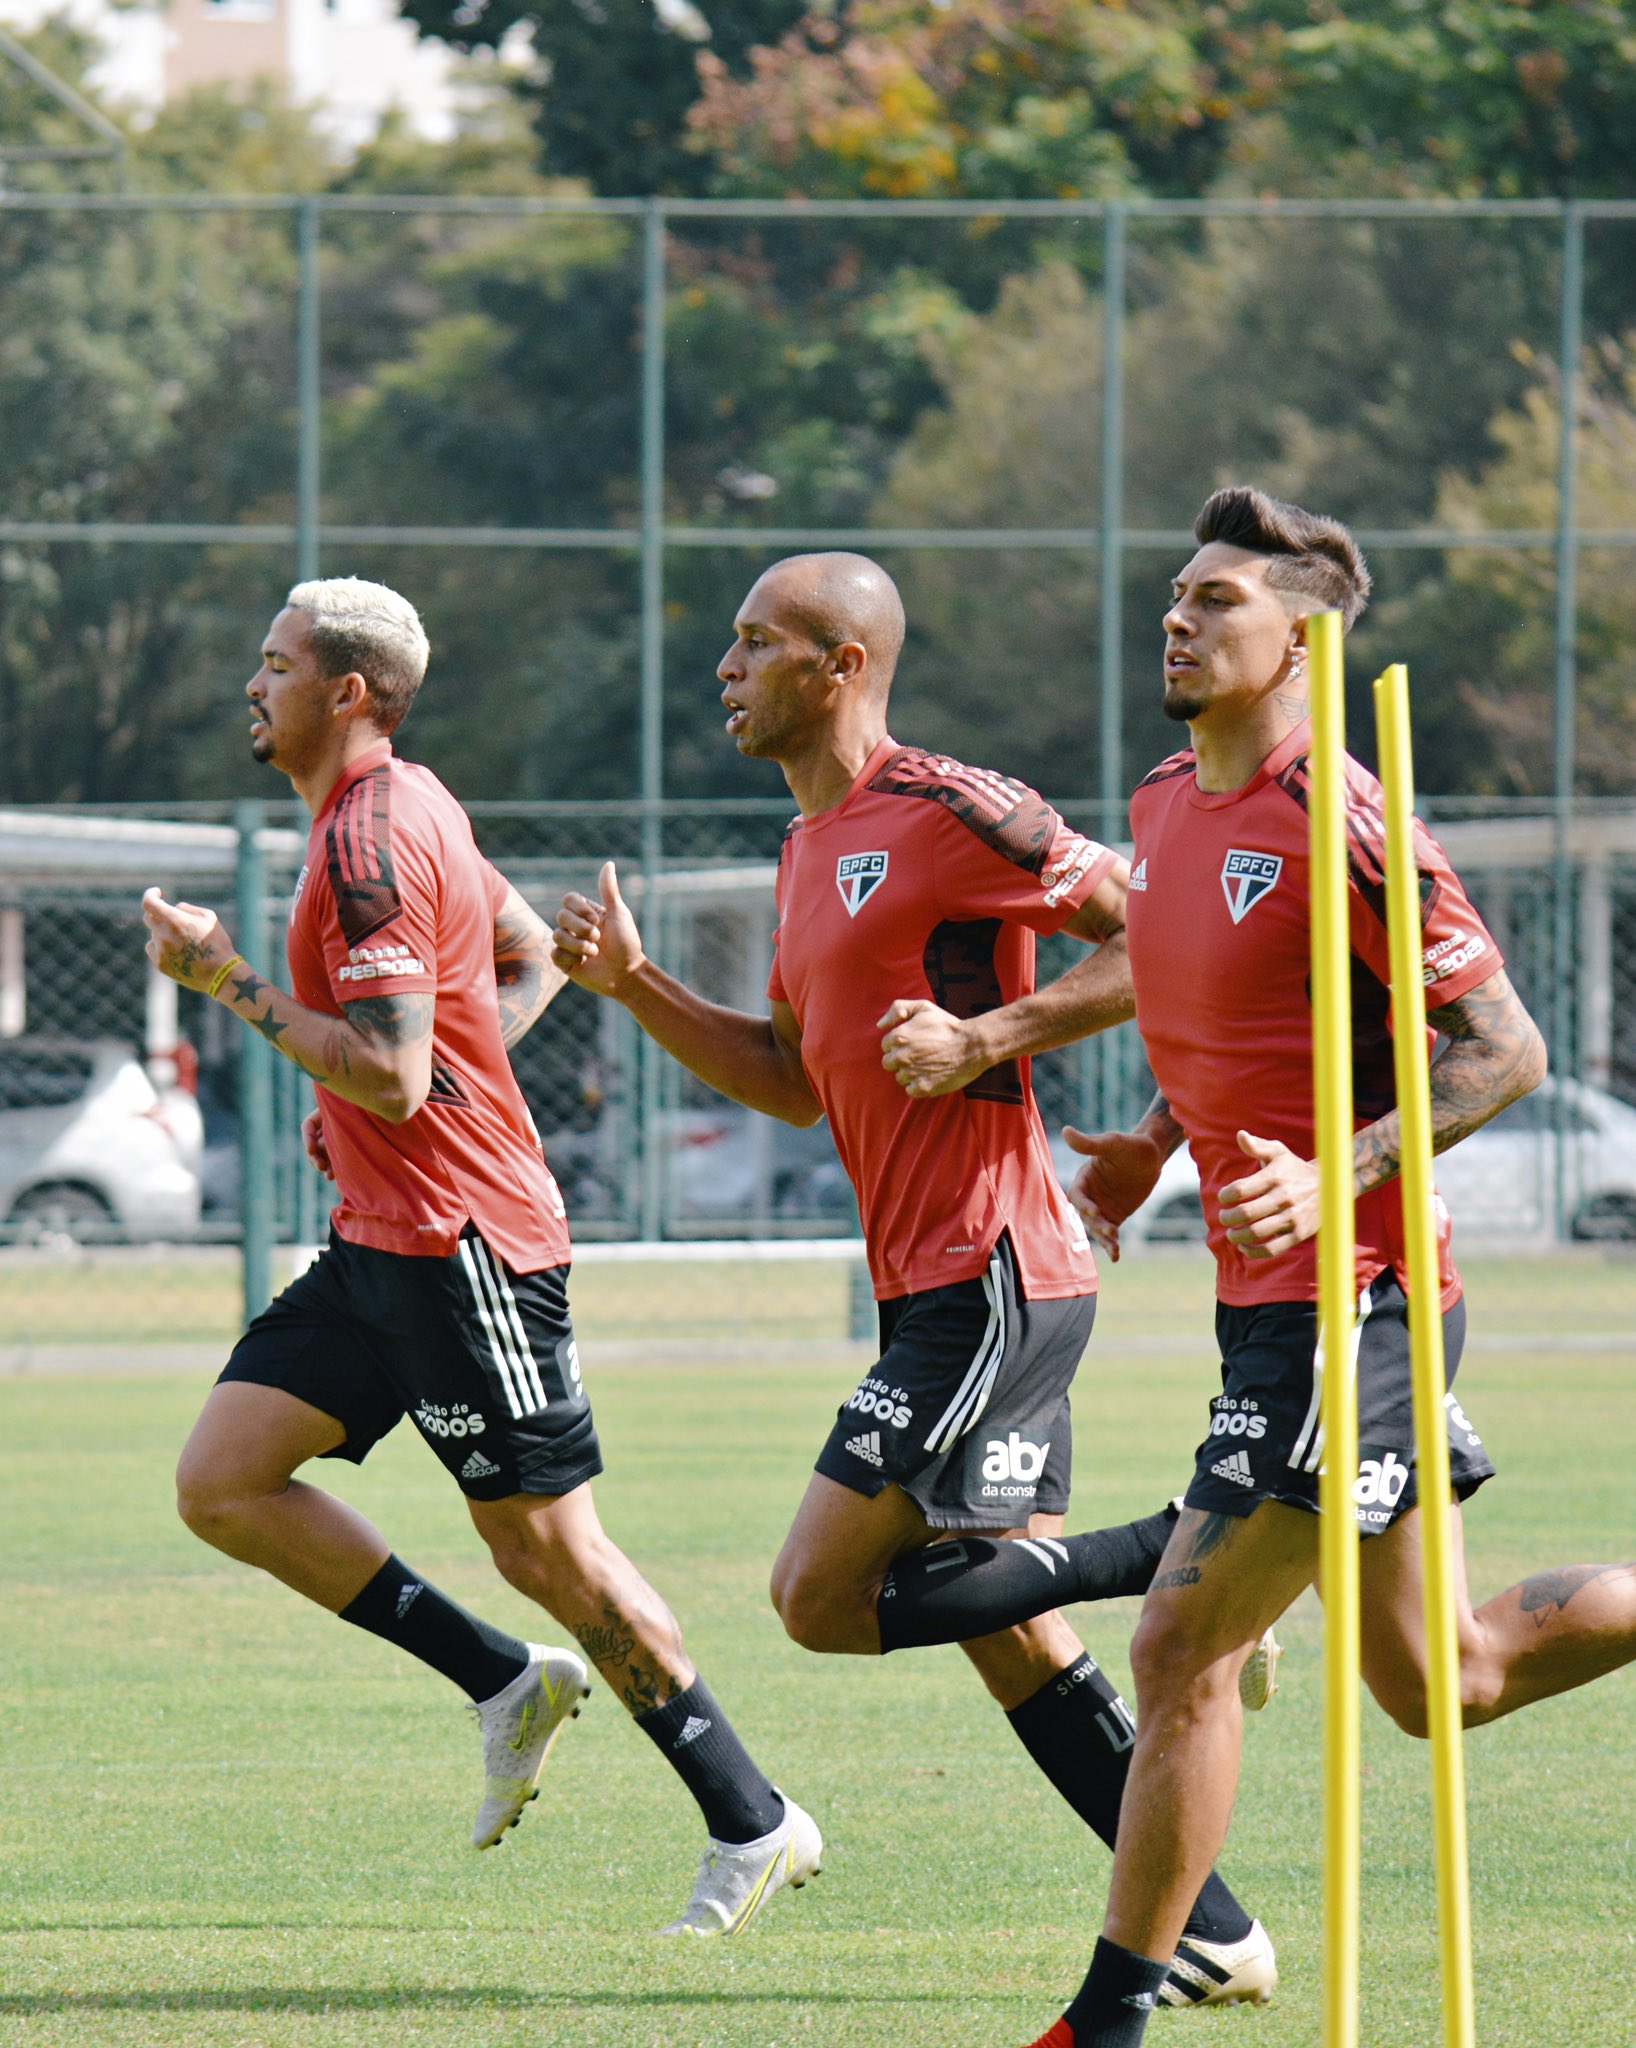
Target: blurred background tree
485,370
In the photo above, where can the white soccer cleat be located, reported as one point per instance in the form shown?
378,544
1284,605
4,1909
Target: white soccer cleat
1221,1972
1258,1681
519,1727
736,1879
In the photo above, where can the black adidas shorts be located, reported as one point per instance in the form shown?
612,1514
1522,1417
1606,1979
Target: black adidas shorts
481,1358
1266,1439
967,1409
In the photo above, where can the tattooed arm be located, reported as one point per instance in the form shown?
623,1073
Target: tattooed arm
1492,1055
522,967
930,1052
378,1054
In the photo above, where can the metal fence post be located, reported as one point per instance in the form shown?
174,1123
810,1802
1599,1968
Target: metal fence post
649,1057
1563,1049
1097,1053
307,388
1112,765
255,1074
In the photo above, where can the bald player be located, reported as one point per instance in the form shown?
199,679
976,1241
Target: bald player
911,891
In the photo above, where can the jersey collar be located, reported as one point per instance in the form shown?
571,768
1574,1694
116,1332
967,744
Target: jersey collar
1296,742
883,751
359,766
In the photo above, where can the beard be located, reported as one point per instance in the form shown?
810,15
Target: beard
1178,706
261,748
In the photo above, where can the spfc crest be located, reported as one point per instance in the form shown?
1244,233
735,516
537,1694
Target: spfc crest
858,876
1246,878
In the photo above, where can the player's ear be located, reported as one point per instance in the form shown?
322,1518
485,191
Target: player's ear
848,661
349,694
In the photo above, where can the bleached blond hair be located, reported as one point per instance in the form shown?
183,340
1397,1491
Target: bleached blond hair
368,629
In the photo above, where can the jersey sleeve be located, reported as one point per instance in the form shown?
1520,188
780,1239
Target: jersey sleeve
499,887
1457,951
1026,865
384,882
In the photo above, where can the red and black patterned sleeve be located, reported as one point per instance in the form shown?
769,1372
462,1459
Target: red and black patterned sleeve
1015,858
383,938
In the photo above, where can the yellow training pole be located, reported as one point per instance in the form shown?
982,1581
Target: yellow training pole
1337,1316
1426,1352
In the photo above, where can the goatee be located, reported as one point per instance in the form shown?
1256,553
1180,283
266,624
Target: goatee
1180,708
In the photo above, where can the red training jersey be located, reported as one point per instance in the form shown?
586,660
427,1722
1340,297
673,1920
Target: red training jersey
1220,946
930,878
395,899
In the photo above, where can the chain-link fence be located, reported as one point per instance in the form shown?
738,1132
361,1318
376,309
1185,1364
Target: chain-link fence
574,431
154,1179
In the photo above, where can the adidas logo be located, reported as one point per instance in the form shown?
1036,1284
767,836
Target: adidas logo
478,1467
408,1595
697,1725
1138,874
1237,1466
867,1447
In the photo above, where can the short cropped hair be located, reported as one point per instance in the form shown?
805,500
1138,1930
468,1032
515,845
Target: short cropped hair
368,629
1310,556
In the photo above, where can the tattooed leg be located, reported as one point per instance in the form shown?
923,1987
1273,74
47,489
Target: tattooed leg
1553,1631
555,1551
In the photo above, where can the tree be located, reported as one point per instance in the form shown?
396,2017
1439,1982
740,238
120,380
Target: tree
617,77
1056,99
1485,626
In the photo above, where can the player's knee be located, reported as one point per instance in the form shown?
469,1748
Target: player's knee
811,1611
1404,1694
1178,1665
208,1502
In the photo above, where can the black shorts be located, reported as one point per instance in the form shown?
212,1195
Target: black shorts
481,1358
967,1409
1266,1438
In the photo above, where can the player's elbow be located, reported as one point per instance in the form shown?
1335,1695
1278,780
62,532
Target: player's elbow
396,1097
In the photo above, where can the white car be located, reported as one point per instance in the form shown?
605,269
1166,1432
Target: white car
89,1147
1500,1184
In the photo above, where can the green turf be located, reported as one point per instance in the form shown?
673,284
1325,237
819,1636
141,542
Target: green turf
229,1820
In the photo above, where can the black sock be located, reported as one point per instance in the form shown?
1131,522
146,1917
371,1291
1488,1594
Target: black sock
1112,2007
696,1739
951,1592
407,1611
1079,1731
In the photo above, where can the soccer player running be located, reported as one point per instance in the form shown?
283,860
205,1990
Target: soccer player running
1219,922
443,1292
912,886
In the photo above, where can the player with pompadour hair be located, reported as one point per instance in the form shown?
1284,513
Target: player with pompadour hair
910,893
1219,936
442,1294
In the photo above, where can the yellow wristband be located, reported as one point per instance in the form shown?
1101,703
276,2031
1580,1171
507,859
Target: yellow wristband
222,973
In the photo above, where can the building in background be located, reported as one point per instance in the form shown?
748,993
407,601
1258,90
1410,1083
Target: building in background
353,61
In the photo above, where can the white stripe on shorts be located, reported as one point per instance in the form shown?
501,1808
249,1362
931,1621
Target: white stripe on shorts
1308,1454
522,1353
499,1343
974,1391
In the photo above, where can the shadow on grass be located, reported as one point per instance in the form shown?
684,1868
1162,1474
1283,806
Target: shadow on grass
274,1998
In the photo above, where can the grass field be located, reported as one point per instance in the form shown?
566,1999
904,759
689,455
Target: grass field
229,1820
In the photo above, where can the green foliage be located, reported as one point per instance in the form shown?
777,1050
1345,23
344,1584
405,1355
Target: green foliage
618,78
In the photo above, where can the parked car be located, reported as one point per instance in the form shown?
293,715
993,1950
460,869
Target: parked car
1500,1183
723,1166
90,1147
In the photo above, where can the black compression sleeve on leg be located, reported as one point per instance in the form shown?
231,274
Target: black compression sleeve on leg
1080,1732
953,1592
403,1609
